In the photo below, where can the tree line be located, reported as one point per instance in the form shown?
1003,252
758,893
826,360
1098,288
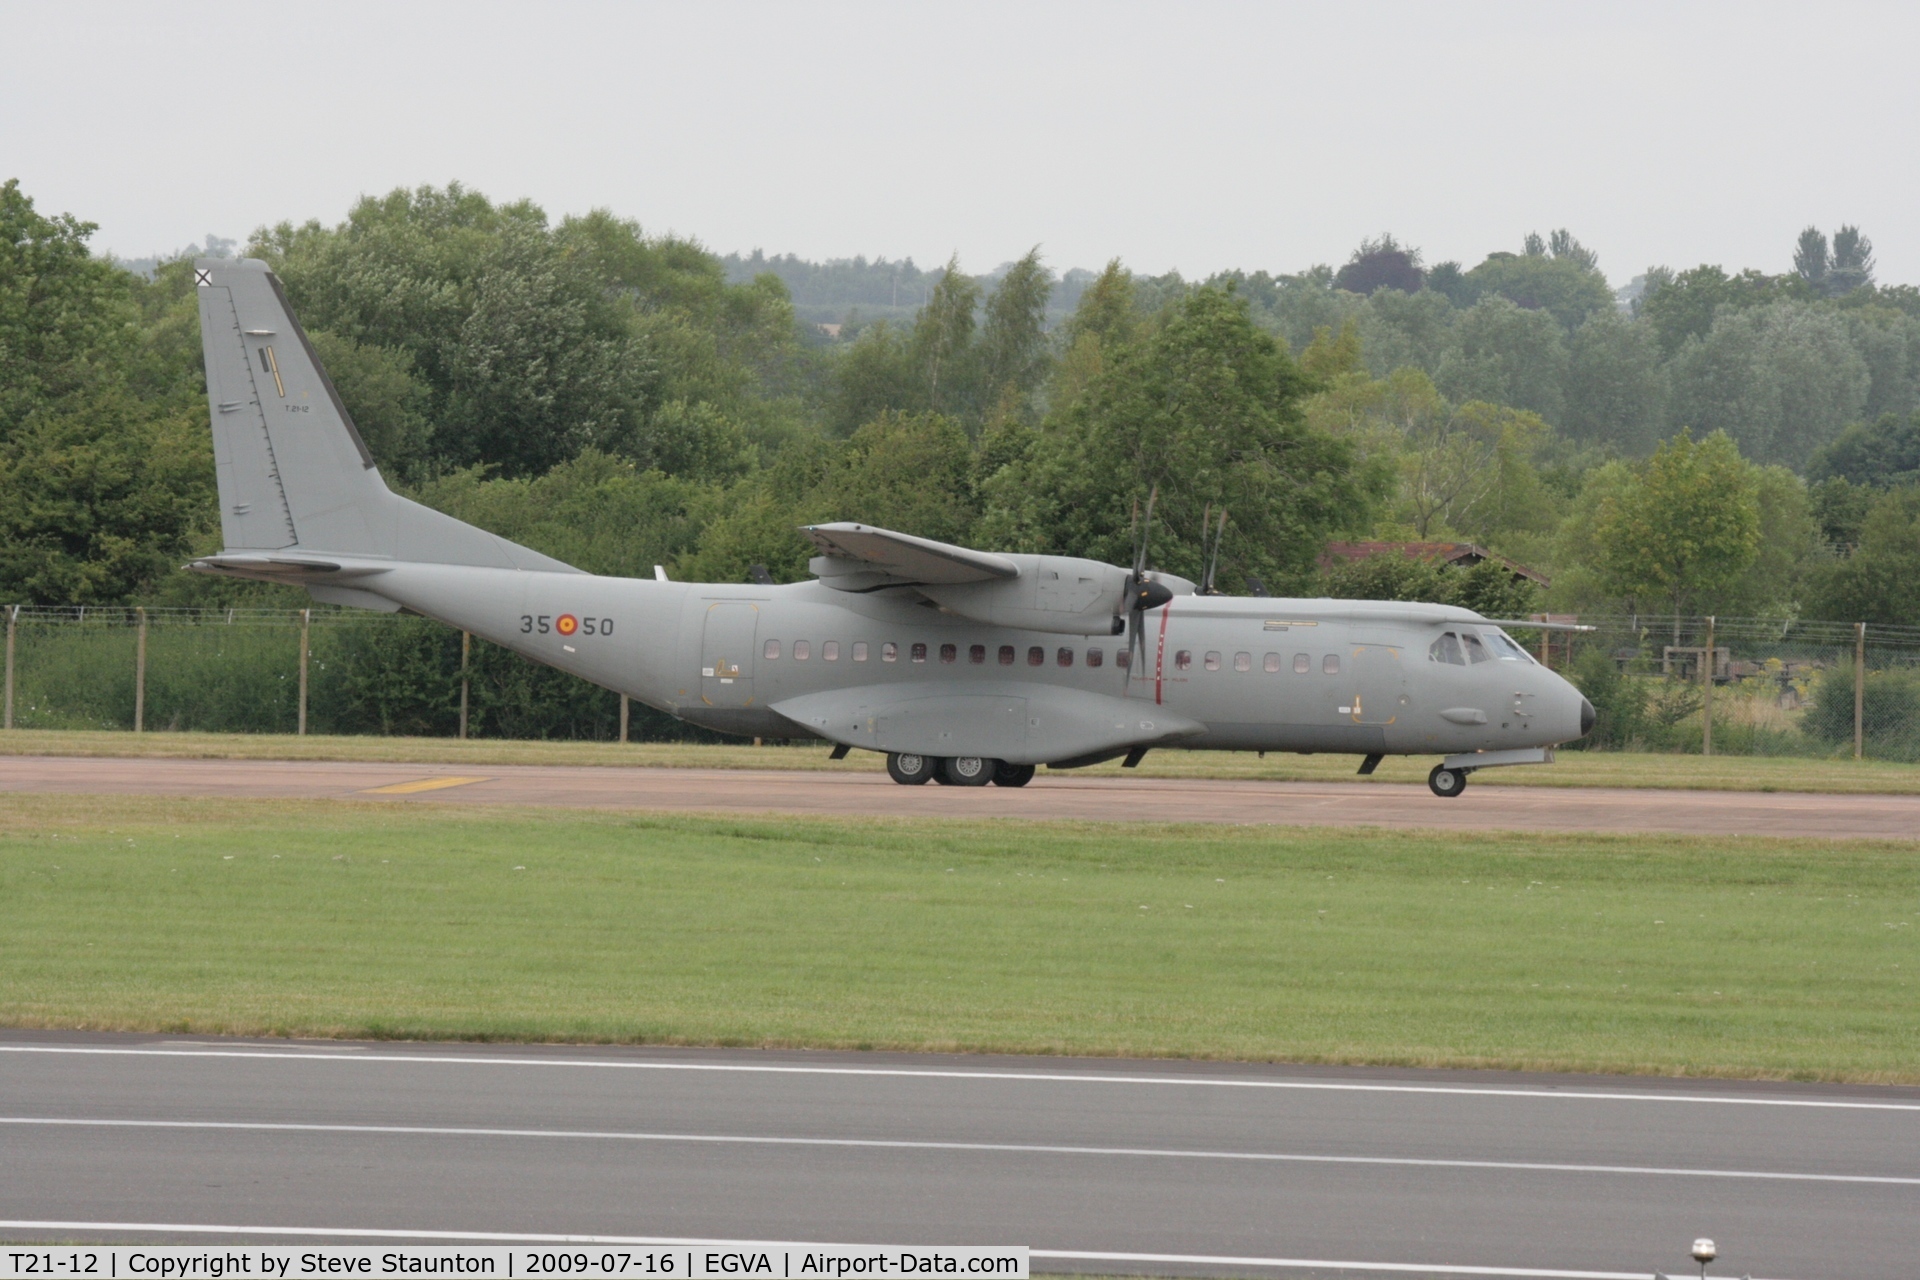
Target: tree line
1699,440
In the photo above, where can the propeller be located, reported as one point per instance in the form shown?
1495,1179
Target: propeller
1213,557
1141,592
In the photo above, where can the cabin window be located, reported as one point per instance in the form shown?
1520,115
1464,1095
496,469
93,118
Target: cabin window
948,653
1446,649
802,651
1213,660
1272,662
1122,658
830,651
1064,657
1183,660
859,650
1331,664
977,654
1506,648
1036,657
1095,656
1302,664
919,651
1006,655
889,652
1243,662
772,649
1476,652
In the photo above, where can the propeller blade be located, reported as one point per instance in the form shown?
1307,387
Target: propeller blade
1213,557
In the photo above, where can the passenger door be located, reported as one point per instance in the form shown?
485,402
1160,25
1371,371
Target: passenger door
1379,684
726,653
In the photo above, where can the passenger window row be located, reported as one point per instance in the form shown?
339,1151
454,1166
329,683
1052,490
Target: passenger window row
1007,656
1243,661
1064,656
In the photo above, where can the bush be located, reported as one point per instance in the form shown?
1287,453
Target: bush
1620,719
1890,712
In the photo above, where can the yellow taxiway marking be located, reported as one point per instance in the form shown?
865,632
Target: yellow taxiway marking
418,785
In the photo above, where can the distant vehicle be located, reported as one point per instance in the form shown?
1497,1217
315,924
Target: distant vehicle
962,666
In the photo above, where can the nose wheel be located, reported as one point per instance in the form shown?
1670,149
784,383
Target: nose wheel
1447,782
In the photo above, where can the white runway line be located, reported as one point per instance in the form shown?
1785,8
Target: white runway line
936,1073
1065,1255
1003,1148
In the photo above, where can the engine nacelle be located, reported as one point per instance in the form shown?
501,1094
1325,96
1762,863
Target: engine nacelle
1052,593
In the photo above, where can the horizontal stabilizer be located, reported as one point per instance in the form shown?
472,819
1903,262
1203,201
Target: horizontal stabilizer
861,556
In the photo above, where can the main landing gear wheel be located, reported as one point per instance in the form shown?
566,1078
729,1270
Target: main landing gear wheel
1447,782
1012,775
969,771
908,769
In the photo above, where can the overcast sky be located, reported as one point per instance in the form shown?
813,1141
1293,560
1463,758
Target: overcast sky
1191,136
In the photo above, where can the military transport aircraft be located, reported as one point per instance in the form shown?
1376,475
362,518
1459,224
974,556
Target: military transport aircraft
963,666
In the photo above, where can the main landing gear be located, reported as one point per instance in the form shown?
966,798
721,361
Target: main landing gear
1447,782
912,770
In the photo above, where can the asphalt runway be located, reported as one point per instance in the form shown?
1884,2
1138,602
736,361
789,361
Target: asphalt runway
1049,796
1097,1165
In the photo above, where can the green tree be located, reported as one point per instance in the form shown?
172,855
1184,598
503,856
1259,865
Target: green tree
1883,454
1013,354
1686,526
1615,386
1783,380
1876,582
1208,409
1506,354
101,496
1562,279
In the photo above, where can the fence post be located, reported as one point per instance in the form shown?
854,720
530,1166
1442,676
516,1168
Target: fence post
1859,689
466,647
623,717
13,620
306,622
1706,696
140,674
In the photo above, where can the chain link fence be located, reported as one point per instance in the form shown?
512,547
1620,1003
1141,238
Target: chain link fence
319,670
1830,689
1744,686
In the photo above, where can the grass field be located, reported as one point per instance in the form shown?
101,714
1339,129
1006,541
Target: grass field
1631,954
1573,769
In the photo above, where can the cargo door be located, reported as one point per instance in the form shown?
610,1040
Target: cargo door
726,653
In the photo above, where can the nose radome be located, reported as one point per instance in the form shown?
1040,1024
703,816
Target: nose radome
1586,717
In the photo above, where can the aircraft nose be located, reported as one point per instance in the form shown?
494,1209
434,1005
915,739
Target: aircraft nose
1586,717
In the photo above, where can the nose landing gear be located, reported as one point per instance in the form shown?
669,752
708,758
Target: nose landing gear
1446,782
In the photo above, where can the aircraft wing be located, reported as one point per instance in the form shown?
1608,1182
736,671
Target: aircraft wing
857,557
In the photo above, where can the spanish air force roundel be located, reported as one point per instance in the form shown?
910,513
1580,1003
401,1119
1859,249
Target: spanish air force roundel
567,624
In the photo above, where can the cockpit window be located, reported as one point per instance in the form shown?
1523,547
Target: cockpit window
1447,649
1476,652
1506,647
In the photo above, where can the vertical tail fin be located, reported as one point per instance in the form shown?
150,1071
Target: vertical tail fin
293,470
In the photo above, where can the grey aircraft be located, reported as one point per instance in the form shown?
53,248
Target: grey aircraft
962,666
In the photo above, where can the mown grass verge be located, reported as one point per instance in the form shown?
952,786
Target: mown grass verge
1573,768
1735,957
